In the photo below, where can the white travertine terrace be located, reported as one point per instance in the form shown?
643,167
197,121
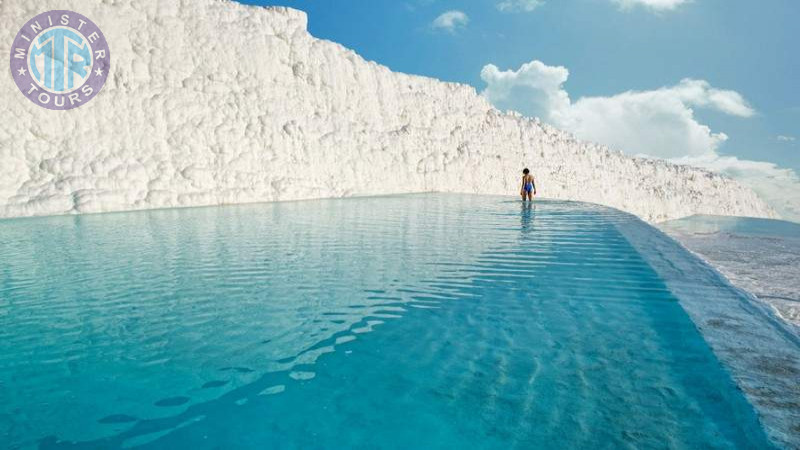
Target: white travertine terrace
213,102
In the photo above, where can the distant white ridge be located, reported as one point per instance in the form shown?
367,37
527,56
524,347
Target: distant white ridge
213,102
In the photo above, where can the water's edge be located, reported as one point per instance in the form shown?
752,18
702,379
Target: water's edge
761,351
759,256
791,330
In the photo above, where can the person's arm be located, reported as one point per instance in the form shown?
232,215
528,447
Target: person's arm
522,187
533,182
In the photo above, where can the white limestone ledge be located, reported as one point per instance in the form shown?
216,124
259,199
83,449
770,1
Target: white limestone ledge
212,102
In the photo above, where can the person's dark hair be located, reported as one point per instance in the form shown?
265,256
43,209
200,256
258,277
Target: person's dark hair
526,171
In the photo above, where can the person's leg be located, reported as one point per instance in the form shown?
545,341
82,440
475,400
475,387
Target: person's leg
530,196
523,195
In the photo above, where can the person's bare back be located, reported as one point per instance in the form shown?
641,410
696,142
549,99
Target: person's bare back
528,189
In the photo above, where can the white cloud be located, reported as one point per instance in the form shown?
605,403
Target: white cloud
700,93
655,5
451,21
777,186
519,5
660,122
535,89
786,138
657,123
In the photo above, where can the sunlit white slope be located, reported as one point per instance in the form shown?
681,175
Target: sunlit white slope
213,102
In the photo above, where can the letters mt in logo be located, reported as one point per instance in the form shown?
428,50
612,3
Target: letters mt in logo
60,59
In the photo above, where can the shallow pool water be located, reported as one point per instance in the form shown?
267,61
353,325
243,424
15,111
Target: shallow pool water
424,321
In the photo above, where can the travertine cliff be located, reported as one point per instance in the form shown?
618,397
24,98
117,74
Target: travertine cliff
213,102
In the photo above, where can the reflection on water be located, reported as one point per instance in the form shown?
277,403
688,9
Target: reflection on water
526,216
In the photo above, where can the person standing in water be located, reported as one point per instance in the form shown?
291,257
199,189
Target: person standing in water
528,185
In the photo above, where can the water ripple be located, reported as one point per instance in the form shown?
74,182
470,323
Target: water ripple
466,320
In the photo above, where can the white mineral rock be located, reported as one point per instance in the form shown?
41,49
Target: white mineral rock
212,102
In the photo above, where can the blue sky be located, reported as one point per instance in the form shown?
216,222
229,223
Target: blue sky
744,51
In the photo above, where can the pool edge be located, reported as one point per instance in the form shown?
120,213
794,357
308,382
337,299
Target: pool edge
759,350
